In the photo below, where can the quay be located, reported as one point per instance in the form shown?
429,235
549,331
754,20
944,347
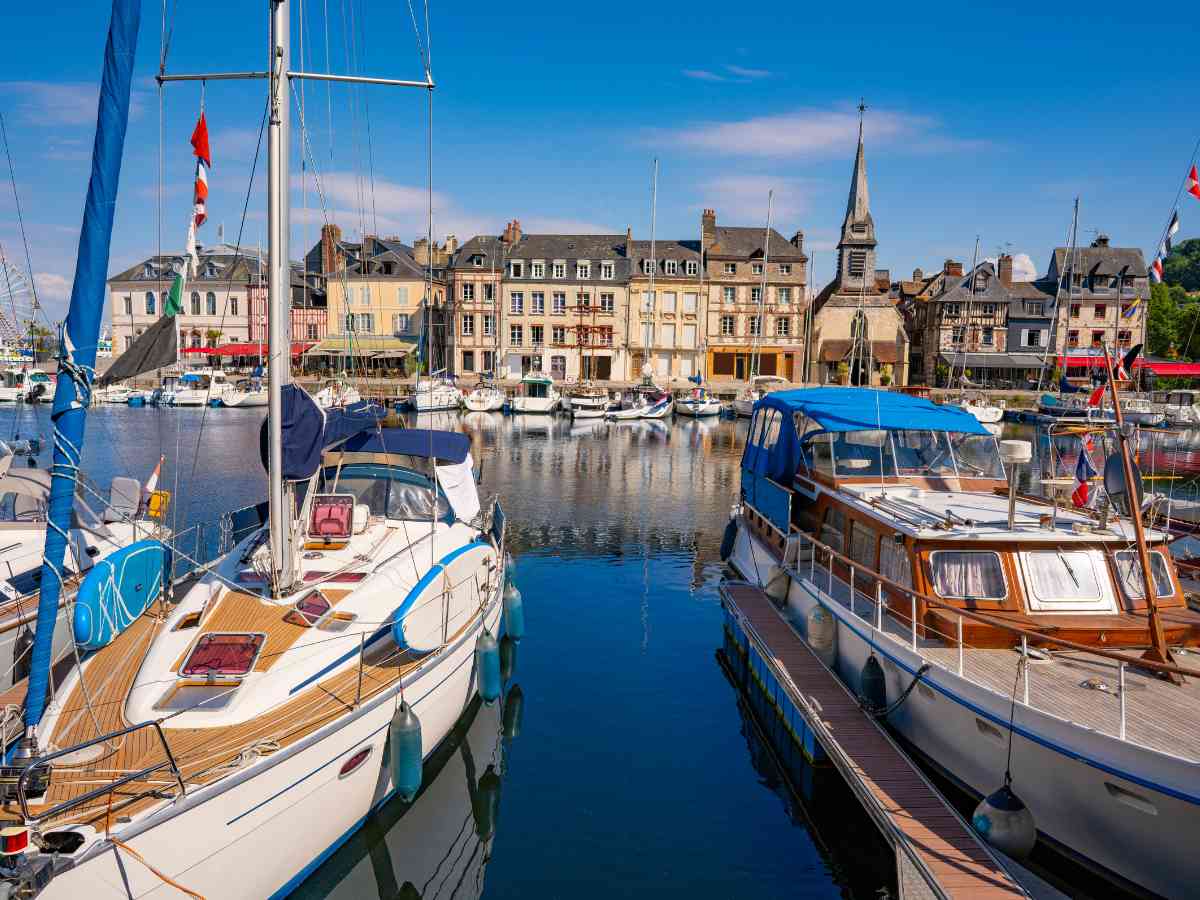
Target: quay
937,853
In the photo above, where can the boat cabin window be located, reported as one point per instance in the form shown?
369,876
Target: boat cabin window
977,456
391,491
1129,570
764,431
863,453
19,507
925,453
308,610
833,528
537,390
818,451
204,694
1065,579
894,563
223,654
862,544
968,574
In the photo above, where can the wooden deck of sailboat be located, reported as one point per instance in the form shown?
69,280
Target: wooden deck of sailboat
1084,689
203,754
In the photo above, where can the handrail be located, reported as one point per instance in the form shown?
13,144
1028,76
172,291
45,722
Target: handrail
23,781
999,623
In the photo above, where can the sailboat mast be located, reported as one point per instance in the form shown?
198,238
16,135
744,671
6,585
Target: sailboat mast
648,332
762,290
278,319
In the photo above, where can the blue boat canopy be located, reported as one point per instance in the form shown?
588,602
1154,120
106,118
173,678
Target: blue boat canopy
309,430
844,409
447,447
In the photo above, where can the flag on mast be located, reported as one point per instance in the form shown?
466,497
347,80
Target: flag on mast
1193,184
1172,230
1084,471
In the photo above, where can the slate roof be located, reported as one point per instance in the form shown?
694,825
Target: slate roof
485,245
231,263
681,251
1101,260
569,247
740,242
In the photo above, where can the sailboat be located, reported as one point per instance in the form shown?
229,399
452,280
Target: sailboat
227,743
759,384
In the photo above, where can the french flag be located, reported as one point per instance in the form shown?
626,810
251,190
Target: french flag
1084,470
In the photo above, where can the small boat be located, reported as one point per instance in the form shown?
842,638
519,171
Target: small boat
759,385
114,393
25,385
1073,407
436,392
586,397
203,387
698,402
536,394
248,392
485,397
1180,408
644,405
337,393
983,408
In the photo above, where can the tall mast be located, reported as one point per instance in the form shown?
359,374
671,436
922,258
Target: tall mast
762,290
1052,338
653,265
278,319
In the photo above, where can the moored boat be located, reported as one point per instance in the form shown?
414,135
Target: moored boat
760,385
485,397
697,403
536,394
436,393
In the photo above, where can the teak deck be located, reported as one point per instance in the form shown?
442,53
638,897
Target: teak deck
203,754
936,834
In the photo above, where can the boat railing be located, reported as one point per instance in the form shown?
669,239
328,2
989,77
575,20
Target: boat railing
895,610
43,765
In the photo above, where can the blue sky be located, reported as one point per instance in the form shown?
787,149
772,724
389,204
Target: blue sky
988,121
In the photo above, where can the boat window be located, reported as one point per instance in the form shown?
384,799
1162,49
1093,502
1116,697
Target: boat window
1067,576
332,516
206,694
862,544
308,610
1129,570
977,456
833,528
968,574
18,507
894,563
923,453
223,654
765,429
863,453
819,452
392,492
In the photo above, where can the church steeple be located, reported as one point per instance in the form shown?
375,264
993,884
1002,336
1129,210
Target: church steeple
856,249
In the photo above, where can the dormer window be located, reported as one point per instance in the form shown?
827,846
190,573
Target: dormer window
537,269
649,266
583,270
692,267
516,268
730,268
147,270
670,267
477,260
607,270
560,269
785,268
756,268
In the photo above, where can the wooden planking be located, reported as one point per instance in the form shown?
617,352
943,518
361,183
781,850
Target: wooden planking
962,867
1158,714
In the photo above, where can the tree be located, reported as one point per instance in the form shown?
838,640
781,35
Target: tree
1182,266
212,336
1161,320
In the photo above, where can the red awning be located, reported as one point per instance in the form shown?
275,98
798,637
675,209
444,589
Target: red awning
1157,366
245,349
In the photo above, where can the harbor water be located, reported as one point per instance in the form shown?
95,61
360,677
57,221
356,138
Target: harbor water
620,760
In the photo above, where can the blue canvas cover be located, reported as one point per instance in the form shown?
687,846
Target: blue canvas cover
846,409
308,430
445,446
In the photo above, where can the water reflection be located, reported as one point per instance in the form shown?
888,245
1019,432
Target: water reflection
440,844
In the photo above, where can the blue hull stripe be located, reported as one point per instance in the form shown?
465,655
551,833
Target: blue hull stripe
419,588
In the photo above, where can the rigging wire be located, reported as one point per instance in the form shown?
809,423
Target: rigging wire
12,174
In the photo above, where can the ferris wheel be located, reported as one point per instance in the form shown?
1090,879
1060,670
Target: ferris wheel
17,302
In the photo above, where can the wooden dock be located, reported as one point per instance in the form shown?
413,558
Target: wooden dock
937,853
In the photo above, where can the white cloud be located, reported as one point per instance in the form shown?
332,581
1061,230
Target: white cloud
702,75
53,291
61,103
1024,268
742,199
743,72
806,132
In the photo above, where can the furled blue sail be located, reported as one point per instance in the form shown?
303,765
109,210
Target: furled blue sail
81,332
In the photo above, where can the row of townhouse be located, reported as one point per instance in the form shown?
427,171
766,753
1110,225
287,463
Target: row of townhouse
604,307
1008,331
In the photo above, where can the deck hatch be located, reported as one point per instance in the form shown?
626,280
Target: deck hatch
223,654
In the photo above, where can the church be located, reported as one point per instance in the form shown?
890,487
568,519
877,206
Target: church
858,334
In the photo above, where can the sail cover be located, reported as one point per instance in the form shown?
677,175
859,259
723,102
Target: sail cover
308,430
156,348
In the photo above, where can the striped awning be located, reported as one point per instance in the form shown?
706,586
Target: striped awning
373,346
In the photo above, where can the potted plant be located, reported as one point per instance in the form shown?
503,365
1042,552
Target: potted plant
843,373
885,374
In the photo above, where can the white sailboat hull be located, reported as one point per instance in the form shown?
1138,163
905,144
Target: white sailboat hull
698,408
438,399
743,408
292,802
1110,803
246,399
588,412
484,401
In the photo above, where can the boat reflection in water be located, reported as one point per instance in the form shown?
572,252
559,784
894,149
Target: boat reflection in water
439,844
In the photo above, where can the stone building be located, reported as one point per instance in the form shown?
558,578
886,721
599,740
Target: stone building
855,321
476,275
216,305
1104,296
666,323
740,318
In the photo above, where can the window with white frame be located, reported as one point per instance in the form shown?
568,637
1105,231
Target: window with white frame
399,323
233,306
489,292
730,268
537,334
516,303
729,294
195,303
559,269
785,268
756,268
516,334
756,295
894,563
647,334
689,335
607,271
468,328
559,301
668,304
755,323
314,333
605,337
516,268
689,304
537,304
728,326
537,269
691,267
558,334
606,303
364,294
968,574
468,290
489,324
129,304
670,267
783,295
584,299
647,302
649,265
583,270
783,326
210,303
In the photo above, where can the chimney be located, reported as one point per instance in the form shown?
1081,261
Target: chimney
1100,241
421,251
952,268
1004,269
516,231
798,239
708,227
628,242
451,244
331,255
918,275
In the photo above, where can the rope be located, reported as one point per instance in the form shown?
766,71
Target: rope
895,705
166,879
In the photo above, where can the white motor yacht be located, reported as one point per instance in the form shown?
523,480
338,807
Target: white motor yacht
536,394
